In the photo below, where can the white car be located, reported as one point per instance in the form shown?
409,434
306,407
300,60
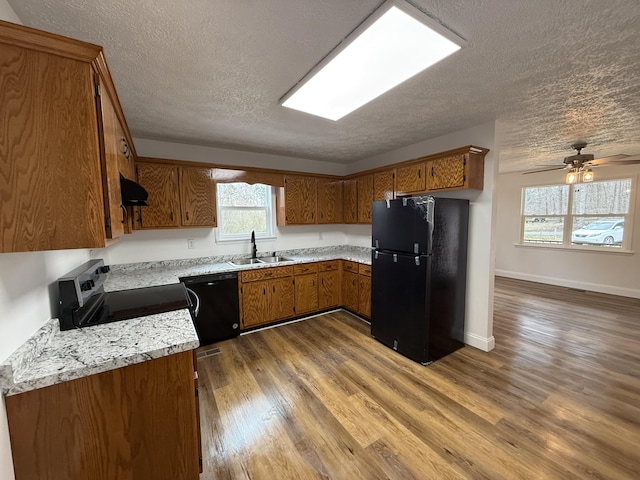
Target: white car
601,232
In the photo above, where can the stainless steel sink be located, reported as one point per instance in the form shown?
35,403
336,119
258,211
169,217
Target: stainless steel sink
245,261
276,259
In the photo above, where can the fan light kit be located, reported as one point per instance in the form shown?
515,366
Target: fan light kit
393,44
580,164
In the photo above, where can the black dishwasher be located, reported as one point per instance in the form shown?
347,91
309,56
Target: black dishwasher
217,312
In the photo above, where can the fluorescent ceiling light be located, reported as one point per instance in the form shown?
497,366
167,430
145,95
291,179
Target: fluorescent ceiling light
395,43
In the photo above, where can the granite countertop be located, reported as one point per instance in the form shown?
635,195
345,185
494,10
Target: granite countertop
124,277
52,356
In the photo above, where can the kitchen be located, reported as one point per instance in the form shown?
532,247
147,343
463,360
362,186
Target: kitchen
26,303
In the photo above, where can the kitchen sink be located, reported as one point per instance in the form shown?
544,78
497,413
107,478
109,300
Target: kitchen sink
275,259
245,261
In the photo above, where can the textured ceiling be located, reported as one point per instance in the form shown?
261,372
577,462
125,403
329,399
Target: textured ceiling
211,72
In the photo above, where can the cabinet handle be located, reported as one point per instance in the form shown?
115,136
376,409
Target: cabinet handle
125,215
274,289
419,173
432,171
171,216
264,291
186,214
268,274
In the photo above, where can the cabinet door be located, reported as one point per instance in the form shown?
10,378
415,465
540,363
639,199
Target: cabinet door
446,172
383,185
49,153
350,201
115,213
350,290
411,178
364,296
255,304
306,293
329,201
365,198
197,197
282,298
300,199
161,182
329,289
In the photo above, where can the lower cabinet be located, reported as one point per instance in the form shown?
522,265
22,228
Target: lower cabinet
350,285
306,287
267,295
364,295
329,288
138,421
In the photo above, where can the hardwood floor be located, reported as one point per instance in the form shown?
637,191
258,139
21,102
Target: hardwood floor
558,398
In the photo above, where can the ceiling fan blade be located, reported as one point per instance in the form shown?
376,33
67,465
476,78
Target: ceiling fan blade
559,165
626,160
544,170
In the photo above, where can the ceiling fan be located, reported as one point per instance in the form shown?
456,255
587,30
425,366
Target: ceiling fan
579,164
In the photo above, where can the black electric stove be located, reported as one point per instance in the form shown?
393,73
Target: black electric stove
83,301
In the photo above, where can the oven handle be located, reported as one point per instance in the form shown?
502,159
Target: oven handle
196,310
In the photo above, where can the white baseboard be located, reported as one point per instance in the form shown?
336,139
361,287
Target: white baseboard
481,343
561,282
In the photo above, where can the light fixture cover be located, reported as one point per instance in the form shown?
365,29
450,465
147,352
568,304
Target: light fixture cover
395,43
572,177
587,175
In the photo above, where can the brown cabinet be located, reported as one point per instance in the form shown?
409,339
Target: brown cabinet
306,288
365,198
364,290
411,179
350,201
329,201
296,202
266,295
329,288
455,172
383,185
178,196
197,197
138,421
350,285
60,180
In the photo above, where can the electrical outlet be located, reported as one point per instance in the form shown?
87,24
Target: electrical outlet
191,243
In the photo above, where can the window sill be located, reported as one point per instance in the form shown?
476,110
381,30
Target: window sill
581,249
244,240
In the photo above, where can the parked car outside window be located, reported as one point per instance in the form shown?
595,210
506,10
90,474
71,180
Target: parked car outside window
601,232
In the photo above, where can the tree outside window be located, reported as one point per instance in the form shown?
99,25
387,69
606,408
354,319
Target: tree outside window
243,208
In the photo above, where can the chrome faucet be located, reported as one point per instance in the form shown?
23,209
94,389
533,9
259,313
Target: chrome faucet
254,250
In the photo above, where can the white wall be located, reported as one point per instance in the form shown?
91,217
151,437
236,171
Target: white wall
606,270
198,153
480,270
7,13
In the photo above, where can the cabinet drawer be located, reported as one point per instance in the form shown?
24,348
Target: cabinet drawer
265,273
328,265
305,268
364,269
348,266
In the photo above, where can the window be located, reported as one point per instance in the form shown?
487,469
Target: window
592,214
243,208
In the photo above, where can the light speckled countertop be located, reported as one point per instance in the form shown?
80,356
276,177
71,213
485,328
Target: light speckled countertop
123,277
51,356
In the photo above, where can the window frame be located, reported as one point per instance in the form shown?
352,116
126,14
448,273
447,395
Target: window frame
222,237
624,247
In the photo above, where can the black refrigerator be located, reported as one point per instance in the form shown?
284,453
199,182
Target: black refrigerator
418,275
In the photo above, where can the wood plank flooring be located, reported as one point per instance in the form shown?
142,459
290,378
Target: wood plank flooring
558,398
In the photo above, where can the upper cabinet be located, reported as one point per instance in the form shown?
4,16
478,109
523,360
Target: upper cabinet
457,171
296,202
383,185
59,180
178,196
329,201
197,197
350,201
365,198
411,179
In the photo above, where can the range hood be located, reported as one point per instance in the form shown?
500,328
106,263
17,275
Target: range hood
132,193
